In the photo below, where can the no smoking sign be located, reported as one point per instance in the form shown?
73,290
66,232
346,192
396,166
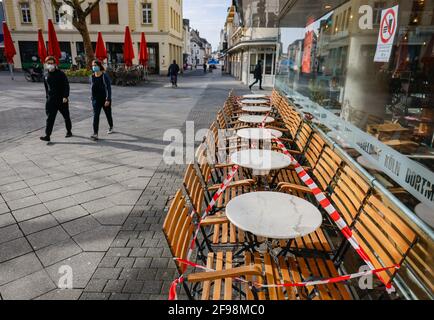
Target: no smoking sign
387,33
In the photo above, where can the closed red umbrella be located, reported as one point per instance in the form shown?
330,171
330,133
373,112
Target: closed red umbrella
100,51
128,48
9,50
42,50
53,44
143,56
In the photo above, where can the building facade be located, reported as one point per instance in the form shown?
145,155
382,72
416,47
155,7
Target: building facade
247,45
200,49
186,52
161,20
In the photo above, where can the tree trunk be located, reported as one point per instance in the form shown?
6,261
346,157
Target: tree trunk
81,26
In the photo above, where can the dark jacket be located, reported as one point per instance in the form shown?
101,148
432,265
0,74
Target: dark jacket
107,87
258,71
173,70
56,86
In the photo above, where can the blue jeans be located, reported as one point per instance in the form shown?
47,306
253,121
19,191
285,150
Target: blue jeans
97,106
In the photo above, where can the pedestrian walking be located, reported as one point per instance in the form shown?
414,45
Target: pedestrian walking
101,97
257,75
173,74
204,67
57,93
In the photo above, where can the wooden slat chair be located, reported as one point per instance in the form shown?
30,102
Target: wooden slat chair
384,235
178,229
311,153
223,232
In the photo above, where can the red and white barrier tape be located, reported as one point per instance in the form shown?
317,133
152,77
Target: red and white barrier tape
222,188
337,279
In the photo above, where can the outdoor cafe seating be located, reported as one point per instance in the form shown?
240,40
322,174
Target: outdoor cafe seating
297,225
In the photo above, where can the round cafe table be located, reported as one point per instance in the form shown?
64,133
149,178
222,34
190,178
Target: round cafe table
258,133
254,101
273,215
255,119
260,161
254,96
425,213
256,109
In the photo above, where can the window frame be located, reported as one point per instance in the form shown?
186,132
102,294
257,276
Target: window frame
147,13
113,4
93,16
29,12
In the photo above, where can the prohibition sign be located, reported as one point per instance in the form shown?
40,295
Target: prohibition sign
388,26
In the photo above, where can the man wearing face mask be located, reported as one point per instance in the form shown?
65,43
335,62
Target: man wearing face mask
57,93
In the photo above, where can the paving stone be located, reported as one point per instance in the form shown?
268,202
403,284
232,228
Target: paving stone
44,187
113,215
107,273
145,273
129,273
12,186
119,296
152,287
30,212
94,296
61,294
46,237
154,252
19,267
83,266
109,261
98,239
17,194
96,285
114,286
6,219
133,286
29,287
125,262
118,252
60,204
159,262
54,194
38,224
80,225
14,248
57,252
10,233
70,213
119,243
98,205
4,208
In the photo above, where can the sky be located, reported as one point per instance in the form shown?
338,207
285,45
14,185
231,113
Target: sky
208,16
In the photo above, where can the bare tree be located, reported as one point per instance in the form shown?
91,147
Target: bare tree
79,14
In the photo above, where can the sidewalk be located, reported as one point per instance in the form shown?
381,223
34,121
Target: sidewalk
98,207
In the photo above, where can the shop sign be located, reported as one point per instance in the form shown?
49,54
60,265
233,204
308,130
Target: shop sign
387,33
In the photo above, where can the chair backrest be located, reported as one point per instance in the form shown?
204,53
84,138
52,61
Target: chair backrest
303,136
221,120
349,193
294,123
178,227
312,149
194,188
327,164
202,161
384,235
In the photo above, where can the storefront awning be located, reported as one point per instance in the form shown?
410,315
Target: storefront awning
253,43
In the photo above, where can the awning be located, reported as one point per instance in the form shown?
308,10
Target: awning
253,43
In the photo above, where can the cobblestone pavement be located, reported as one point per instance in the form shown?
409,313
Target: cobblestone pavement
97,207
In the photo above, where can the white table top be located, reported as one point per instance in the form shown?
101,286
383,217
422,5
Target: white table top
425,213
367,164
258,133
254,96
338,139
273,215
263,109
254,101
255,119
261,160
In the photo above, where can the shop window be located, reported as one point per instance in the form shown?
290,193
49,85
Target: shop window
147,13
95,17
113,13
269,63
25,12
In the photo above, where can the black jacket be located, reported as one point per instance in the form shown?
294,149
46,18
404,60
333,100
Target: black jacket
56,85
107,86
173,69
258,72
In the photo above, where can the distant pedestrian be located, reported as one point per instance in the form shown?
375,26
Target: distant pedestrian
257,74
173,74
57,93
101,97
204,67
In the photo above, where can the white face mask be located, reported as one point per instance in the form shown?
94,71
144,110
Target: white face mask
50,67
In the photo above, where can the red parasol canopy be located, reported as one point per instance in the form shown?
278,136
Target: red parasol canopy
53,44
128,48
42,51
100,51
9,50
143,56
